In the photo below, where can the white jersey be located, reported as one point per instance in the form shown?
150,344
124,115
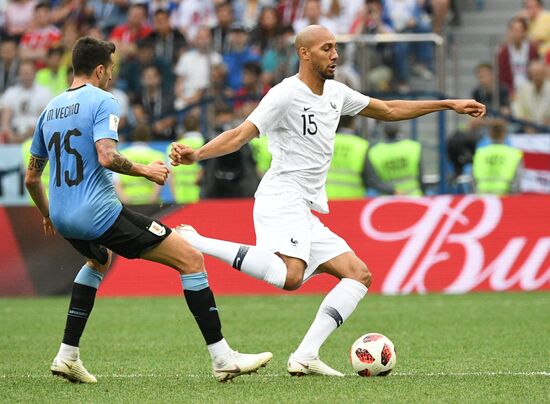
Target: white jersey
300,127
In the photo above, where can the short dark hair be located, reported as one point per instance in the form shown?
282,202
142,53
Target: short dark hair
162,11
252,67
484,65
520,20
88,53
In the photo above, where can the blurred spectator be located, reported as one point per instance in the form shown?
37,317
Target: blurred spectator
69,35
21,105
484,92
191,15
515,55
233,175
342,13
167,42
346,72
108,13
252,90
131,70
193,69
54,75
9,63
461,147
154,105
406,17
247,12
42,35
290,10
19,16
263,35
184,179
539,24
346,176
280,61
497,167
218,83
237,55
126,36
220,32
395,165
313,15
75,10
370,20
438,9
124,107
138,190
533,98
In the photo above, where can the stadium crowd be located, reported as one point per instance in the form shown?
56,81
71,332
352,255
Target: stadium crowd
174,54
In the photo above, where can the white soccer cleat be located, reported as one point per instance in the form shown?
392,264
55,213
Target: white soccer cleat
298,367
73,371
235,364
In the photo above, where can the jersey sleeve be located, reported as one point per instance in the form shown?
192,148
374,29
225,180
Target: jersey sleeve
354,101
38,147
270,111
106,119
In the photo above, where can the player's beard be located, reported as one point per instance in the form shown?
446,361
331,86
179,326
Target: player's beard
323,73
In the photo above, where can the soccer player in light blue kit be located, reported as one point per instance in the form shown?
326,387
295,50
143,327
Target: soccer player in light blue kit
77,133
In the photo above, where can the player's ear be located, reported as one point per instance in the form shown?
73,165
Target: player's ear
304,53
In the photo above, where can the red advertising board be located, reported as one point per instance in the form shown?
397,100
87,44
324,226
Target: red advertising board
411,245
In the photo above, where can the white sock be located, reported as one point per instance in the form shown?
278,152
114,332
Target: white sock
68,352
251,260
335,309
218,349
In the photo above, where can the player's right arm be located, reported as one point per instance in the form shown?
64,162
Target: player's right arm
228,142
110,158
266,115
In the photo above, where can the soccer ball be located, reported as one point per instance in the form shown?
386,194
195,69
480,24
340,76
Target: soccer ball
373,354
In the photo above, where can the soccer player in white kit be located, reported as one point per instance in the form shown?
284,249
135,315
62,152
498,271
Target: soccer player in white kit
300,116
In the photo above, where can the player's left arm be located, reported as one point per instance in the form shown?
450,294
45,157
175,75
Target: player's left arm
398,110
36,191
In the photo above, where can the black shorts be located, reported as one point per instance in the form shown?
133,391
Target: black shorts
130,236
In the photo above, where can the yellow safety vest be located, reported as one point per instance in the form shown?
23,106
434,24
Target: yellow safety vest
398,163
495,167
261,154
344,180
56,84
186,189
26,151
139,190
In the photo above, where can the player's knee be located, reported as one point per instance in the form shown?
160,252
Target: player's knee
193,262
293,280
362,274
99,267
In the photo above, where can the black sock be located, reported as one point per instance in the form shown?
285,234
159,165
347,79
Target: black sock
202,305
82,302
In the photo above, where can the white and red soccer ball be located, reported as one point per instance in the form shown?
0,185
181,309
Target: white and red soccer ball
373,355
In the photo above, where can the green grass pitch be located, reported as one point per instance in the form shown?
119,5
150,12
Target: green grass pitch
469,348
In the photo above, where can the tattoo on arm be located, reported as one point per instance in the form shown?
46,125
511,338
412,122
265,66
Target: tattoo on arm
37,164
120,164
106,148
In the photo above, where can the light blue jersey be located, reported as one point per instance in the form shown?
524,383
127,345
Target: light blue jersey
83,202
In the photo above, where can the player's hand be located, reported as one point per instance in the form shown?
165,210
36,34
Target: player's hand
49,230
157,172
470,107
182,154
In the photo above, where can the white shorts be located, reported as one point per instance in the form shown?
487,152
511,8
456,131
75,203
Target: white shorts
284,223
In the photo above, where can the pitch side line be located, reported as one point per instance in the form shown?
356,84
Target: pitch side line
396,374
